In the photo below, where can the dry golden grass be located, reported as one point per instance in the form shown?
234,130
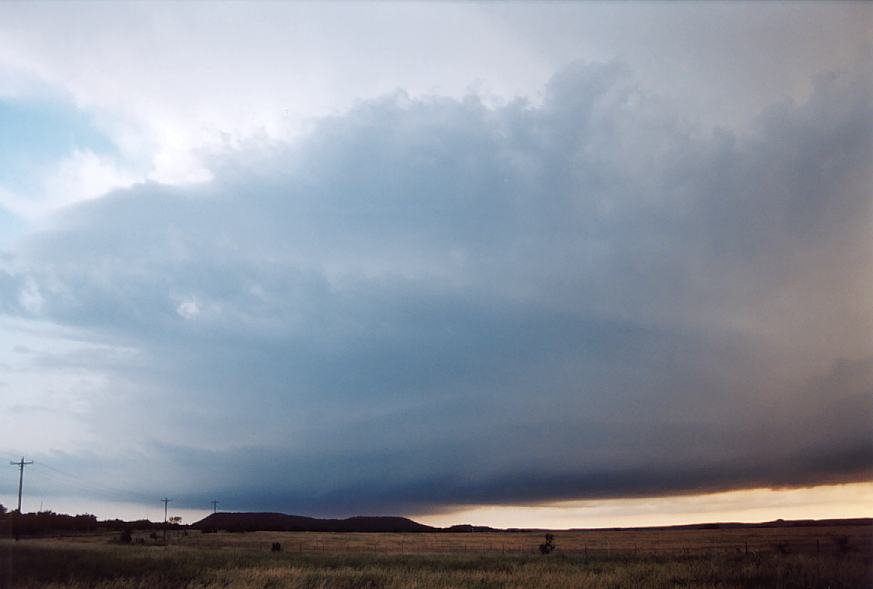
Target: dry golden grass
595,542
393,561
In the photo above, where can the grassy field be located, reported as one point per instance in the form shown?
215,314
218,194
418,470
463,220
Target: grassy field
787,557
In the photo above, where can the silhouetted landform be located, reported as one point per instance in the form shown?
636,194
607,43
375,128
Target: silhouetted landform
779,523
47,522
470,528
280,522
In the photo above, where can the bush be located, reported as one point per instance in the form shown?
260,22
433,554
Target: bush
842,543
549,545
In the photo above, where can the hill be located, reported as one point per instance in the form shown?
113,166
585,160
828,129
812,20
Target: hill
779,523
280,522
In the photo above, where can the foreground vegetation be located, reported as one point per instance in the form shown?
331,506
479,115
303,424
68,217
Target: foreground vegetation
100,563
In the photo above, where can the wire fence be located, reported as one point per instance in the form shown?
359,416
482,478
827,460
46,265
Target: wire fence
820,546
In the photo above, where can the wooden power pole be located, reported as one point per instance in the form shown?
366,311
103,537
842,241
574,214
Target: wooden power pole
20,464
166,501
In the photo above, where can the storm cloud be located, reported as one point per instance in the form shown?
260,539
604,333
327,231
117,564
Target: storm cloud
431,301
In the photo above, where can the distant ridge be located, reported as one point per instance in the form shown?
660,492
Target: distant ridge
779,523
280,522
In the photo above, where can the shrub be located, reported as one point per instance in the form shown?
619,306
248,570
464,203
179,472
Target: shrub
842,543
549,545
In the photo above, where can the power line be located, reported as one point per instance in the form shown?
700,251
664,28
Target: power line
83,484
54,475
98,486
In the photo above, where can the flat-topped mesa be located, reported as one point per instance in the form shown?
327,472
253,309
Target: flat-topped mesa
280,522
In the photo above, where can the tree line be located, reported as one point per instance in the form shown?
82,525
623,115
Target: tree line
48,522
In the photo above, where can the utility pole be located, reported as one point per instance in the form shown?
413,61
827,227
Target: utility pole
20,464
166,501
214,506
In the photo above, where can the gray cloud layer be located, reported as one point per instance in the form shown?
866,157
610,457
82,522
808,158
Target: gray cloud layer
431,302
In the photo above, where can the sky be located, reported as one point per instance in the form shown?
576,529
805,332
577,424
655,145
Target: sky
515,264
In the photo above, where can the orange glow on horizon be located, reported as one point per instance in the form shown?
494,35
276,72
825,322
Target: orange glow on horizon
751,505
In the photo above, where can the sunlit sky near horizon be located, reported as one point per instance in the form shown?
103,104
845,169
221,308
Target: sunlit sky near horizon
513,264
751,506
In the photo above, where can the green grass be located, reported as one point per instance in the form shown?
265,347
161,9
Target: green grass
32,564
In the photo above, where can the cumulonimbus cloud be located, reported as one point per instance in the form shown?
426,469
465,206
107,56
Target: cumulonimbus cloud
432,301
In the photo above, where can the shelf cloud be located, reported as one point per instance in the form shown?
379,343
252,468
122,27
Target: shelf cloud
429,300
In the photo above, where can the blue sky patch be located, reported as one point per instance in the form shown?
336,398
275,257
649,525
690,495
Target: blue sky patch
35,134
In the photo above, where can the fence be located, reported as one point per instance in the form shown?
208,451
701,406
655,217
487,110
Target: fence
820,546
